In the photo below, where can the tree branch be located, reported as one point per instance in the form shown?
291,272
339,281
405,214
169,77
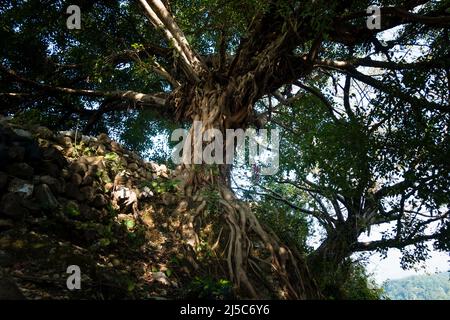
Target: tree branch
161,18
136,97
392,243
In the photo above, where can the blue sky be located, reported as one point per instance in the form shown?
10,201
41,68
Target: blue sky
389,268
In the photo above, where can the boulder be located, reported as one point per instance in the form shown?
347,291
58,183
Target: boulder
16,153
101,150
78,167
87,181
70,134
5,224
49,168
104,139
88,193
55,185
73,192
9,289
6,260
44,133
133,166
3,181
115,147
100,201
23,134
11,206
21,170
76,179
55,156
23,187
45,197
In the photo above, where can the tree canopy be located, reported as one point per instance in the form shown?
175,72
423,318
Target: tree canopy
363,112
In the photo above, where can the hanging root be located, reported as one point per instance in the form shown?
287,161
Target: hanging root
281,273
252,257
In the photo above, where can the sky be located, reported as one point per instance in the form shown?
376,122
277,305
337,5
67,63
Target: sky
389,268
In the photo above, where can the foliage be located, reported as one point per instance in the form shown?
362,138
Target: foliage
363,113
350,281
421,287
209,288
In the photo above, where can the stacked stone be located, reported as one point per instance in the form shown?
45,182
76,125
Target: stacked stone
66,173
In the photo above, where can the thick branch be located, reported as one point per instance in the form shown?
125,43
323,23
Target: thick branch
346,67
391,243
132,96
161,18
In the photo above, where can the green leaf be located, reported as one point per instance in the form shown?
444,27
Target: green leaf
112,156
130,223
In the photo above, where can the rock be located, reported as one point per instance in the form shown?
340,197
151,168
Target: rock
116,262
63,140
88,193
96,162
87,212
169,199
45,197
66,174
16,153
76,179
85,139
104,139
161,278
33,153
10,206
43,143
6,260
54,155
49,168
44,133
87,181
58,148
5,224
109,186
101,150
3,154
73,192
9,289
21,186
78,167
135,157
32,206
23,133
70,134
133,166
3,181
53,183
21,170
141,171
100,201
97,186
145,193
115,147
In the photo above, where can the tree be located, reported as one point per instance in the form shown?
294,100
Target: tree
224,63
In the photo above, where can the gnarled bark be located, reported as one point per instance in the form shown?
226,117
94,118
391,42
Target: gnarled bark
248,253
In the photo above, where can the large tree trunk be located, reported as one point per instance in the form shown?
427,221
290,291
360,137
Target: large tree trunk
240,249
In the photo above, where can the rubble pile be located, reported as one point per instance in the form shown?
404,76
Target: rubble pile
70,199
